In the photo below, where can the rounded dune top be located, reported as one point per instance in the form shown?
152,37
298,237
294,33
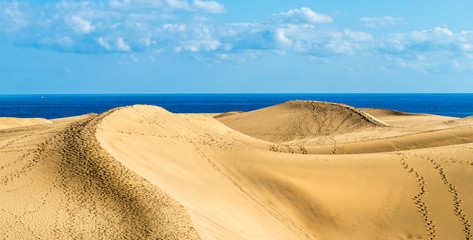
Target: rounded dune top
466,121
298,119
389,112
8,122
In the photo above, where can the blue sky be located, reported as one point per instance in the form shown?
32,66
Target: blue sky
198,46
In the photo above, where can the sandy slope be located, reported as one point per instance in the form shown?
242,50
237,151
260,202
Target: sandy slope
57,183
299,120
6,122
317,171
409,120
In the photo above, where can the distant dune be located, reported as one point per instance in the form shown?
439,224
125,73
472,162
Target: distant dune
6,122
409,120
466,121
297,170
300,119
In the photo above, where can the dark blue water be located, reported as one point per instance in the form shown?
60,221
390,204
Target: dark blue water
57,106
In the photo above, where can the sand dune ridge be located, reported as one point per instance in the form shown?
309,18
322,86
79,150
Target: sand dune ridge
88,194
300,119
141,172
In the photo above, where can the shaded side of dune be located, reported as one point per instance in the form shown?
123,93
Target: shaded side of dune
141,172
145,211
254,193
58,183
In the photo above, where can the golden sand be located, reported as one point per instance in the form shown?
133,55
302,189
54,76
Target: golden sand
298,170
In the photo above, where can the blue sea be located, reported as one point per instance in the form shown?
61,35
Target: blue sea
57,106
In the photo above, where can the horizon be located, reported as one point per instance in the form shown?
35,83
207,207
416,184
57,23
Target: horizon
235,120
243,93
51,106
181,46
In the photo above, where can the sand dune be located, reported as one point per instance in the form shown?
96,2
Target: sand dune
141,172
300,119
409,120
466,121
430,139
7,122
57,183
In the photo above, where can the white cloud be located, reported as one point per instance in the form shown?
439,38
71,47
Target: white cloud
210,6
376,22
343,47
122,46
174,27
434,39
358,36
322,42
281,36
419,67
466,47
136,3
151,26
177,49
302,15
57,42
178,4
434,34
148,42
102,42
65,41
81,25
223,56
12,18
117,3
202,45
185,5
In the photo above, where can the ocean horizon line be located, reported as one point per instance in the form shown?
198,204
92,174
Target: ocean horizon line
230,93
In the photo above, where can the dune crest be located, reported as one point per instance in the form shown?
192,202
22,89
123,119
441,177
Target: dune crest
246,190
58,183
300,119
410,120
141,172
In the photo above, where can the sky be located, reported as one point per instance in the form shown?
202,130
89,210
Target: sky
199,46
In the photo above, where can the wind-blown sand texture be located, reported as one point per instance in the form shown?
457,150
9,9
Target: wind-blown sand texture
7,122
298,170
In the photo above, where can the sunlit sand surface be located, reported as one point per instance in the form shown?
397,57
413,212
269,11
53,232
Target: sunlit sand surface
298,170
